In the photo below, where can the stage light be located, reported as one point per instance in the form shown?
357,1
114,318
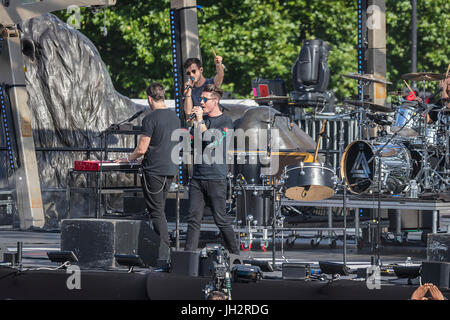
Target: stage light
333,268
129,260
62,256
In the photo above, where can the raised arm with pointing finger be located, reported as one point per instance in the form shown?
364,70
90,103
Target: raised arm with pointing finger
196,82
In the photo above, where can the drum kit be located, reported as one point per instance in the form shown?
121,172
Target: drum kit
409,155
412,158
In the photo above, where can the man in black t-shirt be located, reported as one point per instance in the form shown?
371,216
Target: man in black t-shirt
158,168
208,186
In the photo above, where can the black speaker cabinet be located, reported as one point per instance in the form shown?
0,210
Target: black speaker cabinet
437,273
96,241
295,271
185,262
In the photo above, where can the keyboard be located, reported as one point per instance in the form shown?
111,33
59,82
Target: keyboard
88,165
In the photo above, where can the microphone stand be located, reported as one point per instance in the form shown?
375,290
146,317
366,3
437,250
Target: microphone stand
103,155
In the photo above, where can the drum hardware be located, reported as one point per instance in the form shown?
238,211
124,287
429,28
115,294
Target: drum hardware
370,105
380,119
246,243
319,139
264,243
365,80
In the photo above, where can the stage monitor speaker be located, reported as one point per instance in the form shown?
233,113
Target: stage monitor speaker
437,273
265,266
295,271
96,241
407,272
185,263
334,268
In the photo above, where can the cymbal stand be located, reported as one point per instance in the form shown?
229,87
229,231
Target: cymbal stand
376,245
426,168
275,218
362,111
446,124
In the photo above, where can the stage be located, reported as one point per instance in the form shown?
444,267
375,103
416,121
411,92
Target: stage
38,279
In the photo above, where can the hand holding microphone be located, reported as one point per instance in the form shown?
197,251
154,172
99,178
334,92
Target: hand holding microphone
188,85
197,113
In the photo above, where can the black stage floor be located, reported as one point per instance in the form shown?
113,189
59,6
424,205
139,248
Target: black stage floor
38,279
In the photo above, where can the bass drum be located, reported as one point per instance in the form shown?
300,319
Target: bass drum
398,167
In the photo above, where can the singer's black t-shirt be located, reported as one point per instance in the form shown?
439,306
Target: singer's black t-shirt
197,91
217,169
159,125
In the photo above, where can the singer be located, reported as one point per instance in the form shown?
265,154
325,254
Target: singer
193,88
208,186
158,169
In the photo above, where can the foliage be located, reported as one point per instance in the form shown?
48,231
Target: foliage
261,38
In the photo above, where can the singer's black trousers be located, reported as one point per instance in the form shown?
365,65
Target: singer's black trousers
214,194
155,189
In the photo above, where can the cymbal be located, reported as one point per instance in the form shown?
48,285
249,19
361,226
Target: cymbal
443,110
366,77
420,76
370,105
271,98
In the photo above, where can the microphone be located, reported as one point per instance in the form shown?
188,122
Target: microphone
137,114
192,117
189,86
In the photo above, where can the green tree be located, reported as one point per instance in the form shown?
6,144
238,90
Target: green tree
433,28
262,38
136,49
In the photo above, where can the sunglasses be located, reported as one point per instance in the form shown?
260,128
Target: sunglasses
204,99
189,72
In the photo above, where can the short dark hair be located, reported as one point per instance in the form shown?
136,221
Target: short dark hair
215,90
156,91
192,61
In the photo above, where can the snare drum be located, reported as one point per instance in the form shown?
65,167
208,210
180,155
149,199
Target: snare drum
309,181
